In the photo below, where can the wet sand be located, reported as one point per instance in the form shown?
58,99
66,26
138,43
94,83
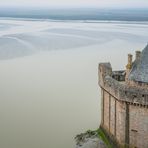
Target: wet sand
48,90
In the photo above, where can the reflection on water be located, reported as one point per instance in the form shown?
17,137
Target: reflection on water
46,98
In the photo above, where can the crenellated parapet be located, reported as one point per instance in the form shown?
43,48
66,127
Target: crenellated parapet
119,89
126,93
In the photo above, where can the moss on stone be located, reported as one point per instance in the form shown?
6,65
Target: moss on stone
91,134
103,137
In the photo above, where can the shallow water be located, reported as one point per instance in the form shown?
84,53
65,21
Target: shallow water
48,77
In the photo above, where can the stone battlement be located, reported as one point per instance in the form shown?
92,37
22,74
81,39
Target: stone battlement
111,81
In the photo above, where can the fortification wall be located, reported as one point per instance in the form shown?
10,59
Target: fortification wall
138,123
120,122
124,110
106,111
119,90
113,115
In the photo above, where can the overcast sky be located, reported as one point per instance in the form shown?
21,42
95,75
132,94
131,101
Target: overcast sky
76,3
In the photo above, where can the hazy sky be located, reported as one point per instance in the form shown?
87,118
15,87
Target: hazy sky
79,3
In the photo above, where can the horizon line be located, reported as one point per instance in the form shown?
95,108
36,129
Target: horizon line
73,7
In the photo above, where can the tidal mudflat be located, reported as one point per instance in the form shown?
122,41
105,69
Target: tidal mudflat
48,77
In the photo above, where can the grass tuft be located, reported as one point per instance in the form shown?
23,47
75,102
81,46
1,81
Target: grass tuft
103,137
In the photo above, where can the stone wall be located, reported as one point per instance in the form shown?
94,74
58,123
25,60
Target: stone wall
124,109
119,90
106,110
137,84
112,116
120,122
138,126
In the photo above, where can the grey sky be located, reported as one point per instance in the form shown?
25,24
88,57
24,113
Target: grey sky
84,3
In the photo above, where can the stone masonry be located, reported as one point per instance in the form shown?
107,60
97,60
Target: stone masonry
124,97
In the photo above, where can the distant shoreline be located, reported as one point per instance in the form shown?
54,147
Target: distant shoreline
79,21
78,14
